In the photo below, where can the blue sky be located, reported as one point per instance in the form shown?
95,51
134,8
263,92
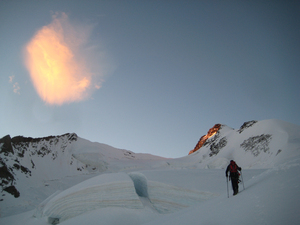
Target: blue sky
169,70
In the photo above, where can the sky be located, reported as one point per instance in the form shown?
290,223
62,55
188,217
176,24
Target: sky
146,76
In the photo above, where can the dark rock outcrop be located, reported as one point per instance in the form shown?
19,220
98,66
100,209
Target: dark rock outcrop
247,125
6,147
12,150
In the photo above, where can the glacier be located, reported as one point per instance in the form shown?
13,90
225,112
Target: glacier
117,186
131,191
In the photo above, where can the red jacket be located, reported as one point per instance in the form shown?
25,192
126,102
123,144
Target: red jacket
233,169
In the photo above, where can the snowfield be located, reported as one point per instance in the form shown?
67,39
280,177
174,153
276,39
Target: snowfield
121,187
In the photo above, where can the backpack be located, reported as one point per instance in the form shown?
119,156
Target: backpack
233,167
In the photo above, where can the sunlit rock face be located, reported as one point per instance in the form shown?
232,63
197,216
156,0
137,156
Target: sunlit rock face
212,131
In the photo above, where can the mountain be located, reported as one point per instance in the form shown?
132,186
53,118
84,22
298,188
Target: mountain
256,144
26,159
71,180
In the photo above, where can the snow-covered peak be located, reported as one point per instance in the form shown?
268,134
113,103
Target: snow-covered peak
25,160
256,144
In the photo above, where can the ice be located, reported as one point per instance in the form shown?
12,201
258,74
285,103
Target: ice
169,199
140,184
271,197
121,190
116,190
165,198
39,211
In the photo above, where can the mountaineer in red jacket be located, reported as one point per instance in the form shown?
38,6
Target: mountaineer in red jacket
234,175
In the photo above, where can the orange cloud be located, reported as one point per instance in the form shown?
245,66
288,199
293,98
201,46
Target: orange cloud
16,86
52,57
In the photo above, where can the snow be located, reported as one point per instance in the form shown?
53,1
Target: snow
150,190
115,190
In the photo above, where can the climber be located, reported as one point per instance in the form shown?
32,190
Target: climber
234,175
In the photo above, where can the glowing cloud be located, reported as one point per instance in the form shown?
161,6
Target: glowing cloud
16,86
57,68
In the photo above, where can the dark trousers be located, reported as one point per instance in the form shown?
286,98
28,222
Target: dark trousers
235,182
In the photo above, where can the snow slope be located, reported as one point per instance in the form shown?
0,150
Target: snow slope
188,190
33,169
257,145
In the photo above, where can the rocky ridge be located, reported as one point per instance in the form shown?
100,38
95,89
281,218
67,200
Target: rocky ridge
211,132
18,157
